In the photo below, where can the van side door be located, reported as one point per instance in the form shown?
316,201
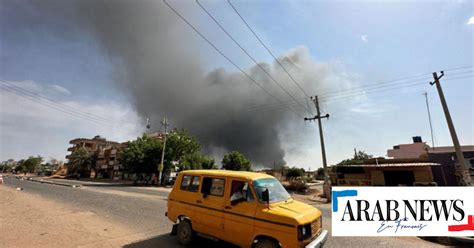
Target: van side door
183,197
239,212
209,216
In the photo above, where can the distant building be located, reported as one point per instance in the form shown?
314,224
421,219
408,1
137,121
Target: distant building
96,146
277,173
107,163
385,172
155,135
446,174
418,149
91,145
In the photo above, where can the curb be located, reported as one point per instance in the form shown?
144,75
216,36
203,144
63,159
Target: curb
57,183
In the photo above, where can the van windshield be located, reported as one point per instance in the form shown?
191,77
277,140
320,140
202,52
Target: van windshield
275,189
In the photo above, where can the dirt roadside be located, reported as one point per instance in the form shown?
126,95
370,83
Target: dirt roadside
28,220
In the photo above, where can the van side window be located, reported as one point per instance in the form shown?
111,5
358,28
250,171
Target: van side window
213,186
185,182
194,186
240,192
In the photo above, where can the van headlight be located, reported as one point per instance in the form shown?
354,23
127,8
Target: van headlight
304,232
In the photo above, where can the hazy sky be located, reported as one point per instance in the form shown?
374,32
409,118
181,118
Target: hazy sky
358,43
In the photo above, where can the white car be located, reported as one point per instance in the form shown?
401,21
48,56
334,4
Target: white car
1,178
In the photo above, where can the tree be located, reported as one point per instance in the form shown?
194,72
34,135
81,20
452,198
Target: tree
32,163
196,161
320,173
81,162
144,154
179,144
236,161
294,172
7,165
141,155
358,158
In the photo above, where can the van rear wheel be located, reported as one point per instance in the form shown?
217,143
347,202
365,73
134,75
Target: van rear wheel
266,243
185,233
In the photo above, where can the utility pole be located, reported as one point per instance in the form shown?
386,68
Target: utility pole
463,171
429,118
326,187
160,168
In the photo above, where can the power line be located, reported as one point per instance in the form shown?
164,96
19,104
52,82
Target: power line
34,94
373,86
49,105
459,68
348,91
250,56
227,58
266,48
52,105
359,93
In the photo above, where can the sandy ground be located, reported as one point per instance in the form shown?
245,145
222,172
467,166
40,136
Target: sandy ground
28,220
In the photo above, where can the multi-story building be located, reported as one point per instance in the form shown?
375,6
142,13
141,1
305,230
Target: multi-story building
93,146
107,154
107,163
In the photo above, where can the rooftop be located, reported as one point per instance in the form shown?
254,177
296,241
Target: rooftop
449,149
381,162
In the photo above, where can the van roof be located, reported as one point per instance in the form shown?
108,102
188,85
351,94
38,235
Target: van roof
228,173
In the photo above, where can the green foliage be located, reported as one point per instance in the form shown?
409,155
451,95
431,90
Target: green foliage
143,155
81,161
28,165
179,144
236,161
197,161
7,165
294,172
358,158
320,173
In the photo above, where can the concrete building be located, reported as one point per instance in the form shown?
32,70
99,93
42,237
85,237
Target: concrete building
446,174
107,163
91,145
418,149
95,146
385,172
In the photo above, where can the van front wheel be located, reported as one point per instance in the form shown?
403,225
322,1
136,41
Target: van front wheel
266,243
185,233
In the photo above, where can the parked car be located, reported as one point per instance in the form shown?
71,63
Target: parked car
244,208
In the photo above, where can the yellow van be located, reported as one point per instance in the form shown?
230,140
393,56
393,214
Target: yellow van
244,208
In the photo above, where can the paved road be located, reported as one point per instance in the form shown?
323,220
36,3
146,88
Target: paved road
143,211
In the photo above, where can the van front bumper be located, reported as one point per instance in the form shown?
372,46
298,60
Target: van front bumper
320,240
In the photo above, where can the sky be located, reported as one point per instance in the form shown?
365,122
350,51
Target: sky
359,43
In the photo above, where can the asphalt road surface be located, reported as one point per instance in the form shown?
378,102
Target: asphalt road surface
143,211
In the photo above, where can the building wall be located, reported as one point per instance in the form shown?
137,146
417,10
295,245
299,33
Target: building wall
446,174
376,175
407,151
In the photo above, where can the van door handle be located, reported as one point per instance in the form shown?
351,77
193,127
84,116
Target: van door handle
228,207
198,201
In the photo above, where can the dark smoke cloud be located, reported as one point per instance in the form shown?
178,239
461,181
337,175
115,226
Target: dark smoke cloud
158,65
